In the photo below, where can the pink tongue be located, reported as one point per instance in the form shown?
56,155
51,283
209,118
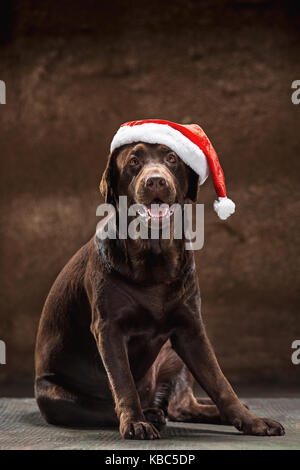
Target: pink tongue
155,210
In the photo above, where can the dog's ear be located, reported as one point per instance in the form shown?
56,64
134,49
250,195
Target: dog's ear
108,182
193,186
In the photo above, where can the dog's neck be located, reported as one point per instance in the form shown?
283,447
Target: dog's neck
146,261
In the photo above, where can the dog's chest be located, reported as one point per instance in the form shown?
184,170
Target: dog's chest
154,299
144,310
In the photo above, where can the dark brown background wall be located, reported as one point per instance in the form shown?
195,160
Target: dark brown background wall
74,72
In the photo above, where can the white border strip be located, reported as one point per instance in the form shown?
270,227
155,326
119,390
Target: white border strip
152,133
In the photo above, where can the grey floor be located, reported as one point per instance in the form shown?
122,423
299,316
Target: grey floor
22,427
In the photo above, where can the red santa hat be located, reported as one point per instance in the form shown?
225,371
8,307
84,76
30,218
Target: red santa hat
190,143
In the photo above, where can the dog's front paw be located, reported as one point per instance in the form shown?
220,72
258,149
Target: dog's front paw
155,416
259,427
138,430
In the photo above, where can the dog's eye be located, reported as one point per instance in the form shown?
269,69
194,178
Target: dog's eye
171,158
133,161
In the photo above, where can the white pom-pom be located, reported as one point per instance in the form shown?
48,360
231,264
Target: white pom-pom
224,207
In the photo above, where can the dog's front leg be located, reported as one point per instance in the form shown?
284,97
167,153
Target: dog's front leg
192,345
113,351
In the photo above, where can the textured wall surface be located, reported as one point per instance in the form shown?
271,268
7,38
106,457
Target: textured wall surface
74,74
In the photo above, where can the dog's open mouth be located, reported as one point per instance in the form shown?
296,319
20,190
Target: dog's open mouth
157,209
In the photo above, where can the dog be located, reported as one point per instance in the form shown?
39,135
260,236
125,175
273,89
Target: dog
121,338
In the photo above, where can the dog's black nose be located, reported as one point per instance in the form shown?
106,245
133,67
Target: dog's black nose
156,183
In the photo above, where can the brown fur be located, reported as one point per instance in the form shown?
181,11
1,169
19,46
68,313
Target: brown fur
121,335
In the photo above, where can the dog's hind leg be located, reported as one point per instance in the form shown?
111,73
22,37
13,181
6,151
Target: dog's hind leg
62,407
174,391
183,406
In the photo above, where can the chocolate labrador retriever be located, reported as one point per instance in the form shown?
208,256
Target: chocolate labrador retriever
121,337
